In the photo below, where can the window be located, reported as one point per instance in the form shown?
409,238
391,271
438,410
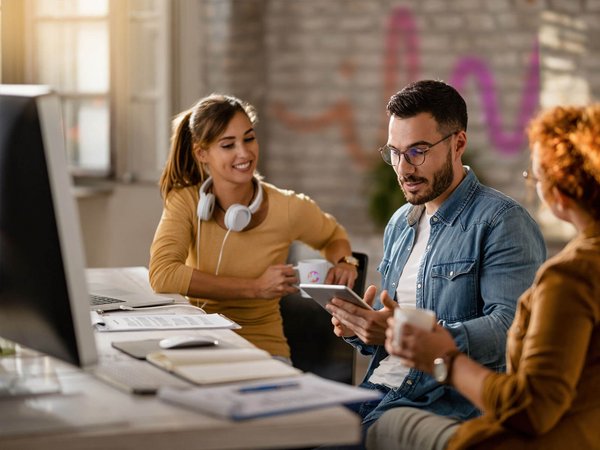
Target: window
108,61
68,49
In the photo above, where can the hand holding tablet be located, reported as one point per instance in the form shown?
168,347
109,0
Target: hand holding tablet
323,293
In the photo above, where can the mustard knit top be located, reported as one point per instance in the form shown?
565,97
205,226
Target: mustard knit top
246,254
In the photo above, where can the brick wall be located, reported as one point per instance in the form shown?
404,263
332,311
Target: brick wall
320,73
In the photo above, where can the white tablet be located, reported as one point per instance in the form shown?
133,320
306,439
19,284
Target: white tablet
323,293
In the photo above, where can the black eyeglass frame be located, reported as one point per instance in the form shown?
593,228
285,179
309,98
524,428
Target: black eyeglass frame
387,150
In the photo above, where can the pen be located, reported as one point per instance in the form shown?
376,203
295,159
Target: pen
268,387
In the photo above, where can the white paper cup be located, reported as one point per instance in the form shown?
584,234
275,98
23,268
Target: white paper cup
422,318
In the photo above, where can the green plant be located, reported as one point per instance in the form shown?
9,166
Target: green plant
385,193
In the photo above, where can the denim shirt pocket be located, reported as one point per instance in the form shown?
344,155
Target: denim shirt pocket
454,289
383,266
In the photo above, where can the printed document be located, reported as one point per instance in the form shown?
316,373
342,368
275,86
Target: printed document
129,321
267,397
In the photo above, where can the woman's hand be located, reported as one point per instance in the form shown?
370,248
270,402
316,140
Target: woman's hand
342,273
417,347
276,281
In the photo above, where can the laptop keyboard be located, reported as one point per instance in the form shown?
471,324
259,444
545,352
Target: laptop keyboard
102,300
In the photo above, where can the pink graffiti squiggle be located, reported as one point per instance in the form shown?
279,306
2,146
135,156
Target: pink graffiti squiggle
506,142
401,25
402,30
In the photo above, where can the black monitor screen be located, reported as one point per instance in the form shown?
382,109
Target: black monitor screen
43,295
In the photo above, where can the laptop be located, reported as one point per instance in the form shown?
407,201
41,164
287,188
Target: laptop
109,298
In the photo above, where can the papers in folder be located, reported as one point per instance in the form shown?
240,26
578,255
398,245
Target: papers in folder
247,400
128,321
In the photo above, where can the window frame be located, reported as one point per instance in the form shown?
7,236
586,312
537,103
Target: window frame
138,146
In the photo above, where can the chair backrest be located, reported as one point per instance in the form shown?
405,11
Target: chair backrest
363,264
308,329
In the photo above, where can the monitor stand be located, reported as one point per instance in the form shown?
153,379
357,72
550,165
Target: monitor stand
25,373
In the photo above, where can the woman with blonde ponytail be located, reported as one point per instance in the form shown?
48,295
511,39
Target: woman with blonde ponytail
224,235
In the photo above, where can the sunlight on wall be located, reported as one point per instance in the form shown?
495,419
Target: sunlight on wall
563,47
563,42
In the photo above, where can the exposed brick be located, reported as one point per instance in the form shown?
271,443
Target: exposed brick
311,56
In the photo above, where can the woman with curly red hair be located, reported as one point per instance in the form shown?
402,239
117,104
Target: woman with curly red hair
549,398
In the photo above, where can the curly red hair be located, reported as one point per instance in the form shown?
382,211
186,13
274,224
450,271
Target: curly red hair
568,139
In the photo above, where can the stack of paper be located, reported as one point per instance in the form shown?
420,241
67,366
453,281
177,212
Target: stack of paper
247,400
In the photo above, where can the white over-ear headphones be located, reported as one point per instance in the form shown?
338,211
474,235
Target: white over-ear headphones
237,216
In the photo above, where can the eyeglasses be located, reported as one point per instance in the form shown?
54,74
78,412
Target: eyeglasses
414,155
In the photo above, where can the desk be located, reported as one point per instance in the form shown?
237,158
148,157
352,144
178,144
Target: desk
89,414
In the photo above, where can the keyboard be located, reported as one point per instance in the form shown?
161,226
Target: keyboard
137,377
101,300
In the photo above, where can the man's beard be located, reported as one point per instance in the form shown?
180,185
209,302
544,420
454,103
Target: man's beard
442,179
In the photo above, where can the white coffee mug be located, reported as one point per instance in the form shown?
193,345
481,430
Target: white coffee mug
418,317
312,271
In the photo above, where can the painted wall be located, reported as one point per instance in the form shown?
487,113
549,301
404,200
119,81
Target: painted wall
118,226
321,72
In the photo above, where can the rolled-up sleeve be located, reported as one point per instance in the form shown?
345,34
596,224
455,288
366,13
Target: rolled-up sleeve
549,345
513,251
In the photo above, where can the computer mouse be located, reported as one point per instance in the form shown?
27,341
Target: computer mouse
187,341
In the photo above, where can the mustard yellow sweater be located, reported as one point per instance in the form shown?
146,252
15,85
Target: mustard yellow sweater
246,254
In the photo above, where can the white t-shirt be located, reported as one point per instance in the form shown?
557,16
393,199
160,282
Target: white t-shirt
391,372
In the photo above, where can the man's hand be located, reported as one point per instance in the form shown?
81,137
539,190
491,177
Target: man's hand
342,273
368,325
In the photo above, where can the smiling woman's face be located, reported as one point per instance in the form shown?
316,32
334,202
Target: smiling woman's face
233,156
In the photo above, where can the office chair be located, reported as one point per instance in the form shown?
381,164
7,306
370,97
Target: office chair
308,329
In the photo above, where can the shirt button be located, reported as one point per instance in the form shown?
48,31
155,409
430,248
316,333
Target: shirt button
393,284
419,286
428,247
451,273
409,382
435,219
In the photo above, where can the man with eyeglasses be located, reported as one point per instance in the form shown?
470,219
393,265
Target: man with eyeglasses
459,248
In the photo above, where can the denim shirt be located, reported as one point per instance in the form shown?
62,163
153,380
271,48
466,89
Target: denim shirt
483,252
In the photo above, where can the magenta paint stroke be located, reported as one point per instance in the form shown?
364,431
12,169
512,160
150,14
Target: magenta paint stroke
401,28
507,142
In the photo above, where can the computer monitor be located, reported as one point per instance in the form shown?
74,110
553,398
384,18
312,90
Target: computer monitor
44,300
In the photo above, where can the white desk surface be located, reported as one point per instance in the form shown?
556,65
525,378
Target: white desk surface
90,414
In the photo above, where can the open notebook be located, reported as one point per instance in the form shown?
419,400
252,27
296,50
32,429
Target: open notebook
221,365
